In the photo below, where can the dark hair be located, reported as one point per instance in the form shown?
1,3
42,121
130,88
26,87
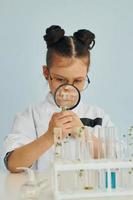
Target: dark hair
78,45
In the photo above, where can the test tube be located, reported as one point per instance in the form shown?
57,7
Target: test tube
89,145
112,154
110,134
101,149
80,143
58,144
80,155
128,173
66,146
85,153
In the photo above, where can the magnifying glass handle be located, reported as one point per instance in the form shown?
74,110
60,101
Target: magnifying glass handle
63,108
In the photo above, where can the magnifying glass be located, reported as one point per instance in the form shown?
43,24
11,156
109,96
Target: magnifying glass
67,97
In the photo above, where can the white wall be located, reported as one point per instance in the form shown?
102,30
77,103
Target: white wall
22,52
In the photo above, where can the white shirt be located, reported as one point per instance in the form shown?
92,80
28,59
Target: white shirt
34,122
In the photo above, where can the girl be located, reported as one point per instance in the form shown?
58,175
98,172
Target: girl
30,142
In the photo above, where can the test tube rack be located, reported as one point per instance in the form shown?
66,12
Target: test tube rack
99,165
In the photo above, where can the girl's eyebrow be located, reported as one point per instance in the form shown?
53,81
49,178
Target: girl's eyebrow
66,77
58,75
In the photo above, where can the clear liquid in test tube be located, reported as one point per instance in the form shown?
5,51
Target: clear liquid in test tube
101,147
80,143
89,145
111,144
84,154
89,175
58,144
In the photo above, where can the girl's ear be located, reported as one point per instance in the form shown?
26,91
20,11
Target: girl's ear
45,71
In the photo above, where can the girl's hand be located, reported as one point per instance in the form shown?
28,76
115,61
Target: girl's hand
63,120
76,122
67,120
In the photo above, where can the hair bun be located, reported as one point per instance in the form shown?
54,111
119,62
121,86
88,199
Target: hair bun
86,37
53,34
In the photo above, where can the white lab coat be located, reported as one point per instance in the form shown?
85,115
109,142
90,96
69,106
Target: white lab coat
34,122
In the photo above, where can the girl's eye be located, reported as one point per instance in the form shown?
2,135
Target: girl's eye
60,80
78,81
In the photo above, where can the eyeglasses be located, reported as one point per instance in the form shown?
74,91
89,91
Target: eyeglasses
81,84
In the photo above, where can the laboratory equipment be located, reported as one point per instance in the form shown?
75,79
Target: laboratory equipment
67,96
107,175
32,188
58,143
91,173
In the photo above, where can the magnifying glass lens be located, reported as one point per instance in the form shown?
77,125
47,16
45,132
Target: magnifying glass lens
67,96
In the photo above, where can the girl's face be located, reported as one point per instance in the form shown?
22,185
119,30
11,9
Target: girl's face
66,70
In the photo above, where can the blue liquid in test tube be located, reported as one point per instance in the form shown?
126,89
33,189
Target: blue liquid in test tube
113,180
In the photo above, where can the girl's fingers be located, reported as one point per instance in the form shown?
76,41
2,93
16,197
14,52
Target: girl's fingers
64,114
66,120
67,126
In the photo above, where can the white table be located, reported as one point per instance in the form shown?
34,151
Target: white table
10,187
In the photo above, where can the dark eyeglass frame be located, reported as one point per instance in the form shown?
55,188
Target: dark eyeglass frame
88,81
